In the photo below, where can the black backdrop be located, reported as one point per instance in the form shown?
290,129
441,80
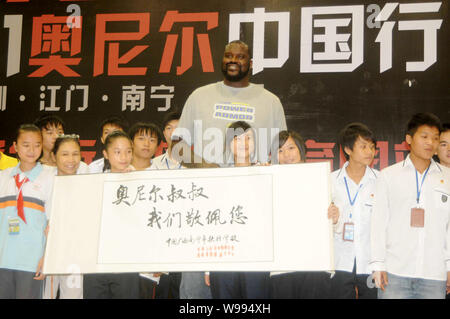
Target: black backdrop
316,104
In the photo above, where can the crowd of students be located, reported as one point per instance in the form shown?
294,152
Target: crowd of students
391,228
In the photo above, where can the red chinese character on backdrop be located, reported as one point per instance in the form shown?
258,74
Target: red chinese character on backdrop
101,36
162,148
325,153
52,37
2,145
87,156
400,150
381,156
12,150
187,40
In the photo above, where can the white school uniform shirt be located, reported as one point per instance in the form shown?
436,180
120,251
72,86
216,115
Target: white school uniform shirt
398,248
97,166
83,168
165,162
345,252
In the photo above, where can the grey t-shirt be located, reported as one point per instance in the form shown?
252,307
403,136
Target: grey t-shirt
217,105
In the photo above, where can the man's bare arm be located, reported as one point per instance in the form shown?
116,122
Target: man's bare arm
188,159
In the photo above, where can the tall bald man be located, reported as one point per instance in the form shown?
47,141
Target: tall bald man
211,108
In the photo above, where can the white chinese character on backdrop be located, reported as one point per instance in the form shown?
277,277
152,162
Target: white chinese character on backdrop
52,107
167,97
85,89
133,97
3,90
429,28
324,31
259,18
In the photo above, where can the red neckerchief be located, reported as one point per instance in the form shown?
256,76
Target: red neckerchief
19,185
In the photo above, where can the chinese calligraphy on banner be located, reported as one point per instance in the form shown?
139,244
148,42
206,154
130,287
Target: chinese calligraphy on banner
188,220
195,219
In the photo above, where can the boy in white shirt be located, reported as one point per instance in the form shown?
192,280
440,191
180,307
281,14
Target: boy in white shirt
410,243
353,189
165,160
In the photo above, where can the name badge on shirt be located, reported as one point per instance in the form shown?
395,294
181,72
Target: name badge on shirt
349,231
13,226
417,217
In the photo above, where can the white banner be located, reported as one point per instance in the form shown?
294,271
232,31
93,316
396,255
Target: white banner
270,218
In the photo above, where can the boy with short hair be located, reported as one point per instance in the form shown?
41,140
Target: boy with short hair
444,146
146,137
51,127
410,243
166,161
109,125
352,193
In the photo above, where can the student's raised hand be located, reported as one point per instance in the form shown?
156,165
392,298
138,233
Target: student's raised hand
381,279
130,169
333,213
207,281
263,164
39,275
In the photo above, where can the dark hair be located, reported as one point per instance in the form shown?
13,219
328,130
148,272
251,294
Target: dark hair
445,127
171,116
47,120
420,119
281,139
236,129
146,128
242,43
27,128
114,120
63,139
350,133
108,141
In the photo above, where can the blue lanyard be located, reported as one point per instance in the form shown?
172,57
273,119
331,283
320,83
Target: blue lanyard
417,183
352,202
167,163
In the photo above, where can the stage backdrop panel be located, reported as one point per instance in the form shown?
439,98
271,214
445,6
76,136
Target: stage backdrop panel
331,62
264,218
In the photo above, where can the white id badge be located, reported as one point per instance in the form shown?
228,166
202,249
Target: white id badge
349,230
